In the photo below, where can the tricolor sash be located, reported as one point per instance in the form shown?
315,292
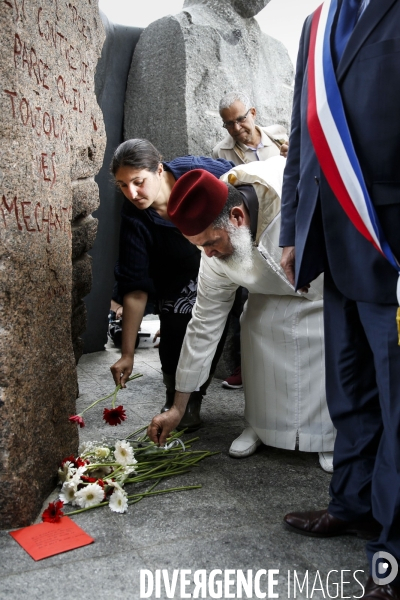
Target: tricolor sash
332,141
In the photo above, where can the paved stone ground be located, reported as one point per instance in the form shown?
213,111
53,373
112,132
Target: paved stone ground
233,522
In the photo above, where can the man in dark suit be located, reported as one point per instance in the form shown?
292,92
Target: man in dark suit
362,351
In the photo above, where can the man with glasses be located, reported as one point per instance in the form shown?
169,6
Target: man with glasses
246,141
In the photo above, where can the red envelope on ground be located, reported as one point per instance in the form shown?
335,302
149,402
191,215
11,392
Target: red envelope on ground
46,539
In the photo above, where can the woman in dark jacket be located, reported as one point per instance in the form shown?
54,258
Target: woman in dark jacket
156,260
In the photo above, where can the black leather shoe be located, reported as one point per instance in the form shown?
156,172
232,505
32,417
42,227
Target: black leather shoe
319,523
381,592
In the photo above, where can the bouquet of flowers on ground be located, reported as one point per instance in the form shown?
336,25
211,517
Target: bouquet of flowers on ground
99,474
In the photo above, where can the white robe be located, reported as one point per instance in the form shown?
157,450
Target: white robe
281,338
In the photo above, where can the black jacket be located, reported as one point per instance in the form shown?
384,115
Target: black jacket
153,254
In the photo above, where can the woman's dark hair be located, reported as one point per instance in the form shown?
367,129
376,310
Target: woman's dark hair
138,154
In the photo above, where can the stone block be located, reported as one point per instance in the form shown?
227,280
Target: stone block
78,320
110,85
87,159
81,278
78,325
85,198
48,116
77,344
210,48
83,235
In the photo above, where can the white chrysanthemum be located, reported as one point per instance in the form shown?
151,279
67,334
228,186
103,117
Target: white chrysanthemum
101,452
122,474
67,494
129,469
94,449
115,485
118,501
76,477
66,472
90,495
124,453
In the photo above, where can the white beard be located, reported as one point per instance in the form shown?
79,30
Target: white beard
242,257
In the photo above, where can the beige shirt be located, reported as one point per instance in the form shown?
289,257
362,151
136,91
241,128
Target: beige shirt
240,154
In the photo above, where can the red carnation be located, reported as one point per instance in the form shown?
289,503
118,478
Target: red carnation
86,479
53,512
77,419
114,416
70,459
75,462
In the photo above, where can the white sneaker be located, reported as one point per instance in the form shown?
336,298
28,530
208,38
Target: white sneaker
246,444
326,461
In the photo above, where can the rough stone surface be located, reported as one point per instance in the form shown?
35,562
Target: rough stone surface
184,64
83,235
79,320
81,278
85,198
52,134
110,85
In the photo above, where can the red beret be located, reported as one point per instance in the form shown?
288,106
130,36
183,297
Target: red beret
196,200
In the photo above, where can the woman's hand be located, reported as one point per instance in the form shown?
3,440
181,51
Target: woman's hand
122,369
156,336
134,305
117,308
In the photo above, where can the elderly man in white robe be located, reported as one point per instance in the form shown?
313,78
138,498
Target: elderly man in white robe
236,220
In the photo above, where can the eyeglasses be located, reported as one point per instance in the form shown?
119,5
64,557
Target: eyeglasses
238,121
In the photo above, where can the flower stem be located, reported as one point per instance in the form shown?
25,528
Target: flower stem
147,477
151,488
135,432
80,510
114,393
178,489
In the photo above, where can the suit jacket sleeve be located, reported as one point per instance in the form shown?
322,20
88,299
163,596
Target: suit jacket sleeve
291,175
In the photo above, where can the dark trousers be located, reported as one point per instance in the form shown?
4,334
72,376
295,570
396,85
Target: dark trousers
363,395
236,311
172,332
